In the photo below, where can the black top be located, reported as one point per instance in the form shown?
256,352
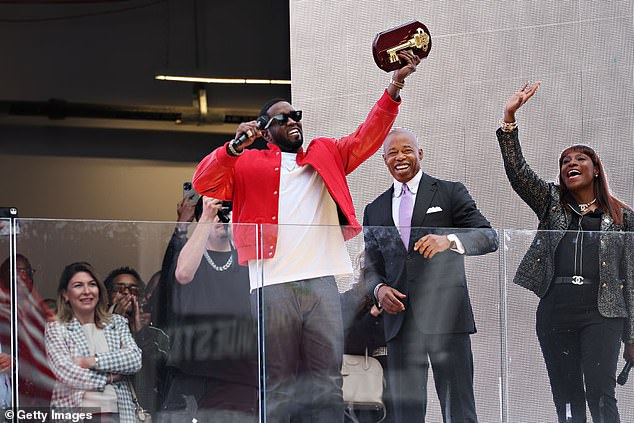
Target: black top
578,251
211,329
213,292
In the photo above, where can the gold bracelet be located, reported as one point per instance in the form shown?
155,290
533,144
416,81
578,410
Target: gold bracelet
508,126
397,84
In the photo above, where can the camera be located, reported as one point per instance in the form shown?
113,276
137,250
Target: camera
223,213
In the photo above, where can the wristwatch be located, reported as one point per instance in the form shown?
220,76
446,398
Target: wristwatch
375,295
452,241
180,232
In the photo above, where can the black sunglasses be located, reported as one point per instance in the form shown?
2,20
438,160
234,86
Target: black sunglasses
282,118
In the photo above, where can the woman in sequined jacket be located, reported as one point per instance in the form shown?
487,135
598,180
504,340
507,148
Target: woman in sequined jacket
581,265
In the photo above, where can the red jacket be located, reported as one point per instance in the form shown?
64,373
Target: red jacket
252,180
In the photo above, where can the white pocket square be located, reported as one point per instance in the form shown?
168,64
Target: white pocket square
435,209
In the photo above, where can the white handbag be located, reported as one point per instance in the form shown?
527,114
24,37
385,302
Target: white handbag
362,384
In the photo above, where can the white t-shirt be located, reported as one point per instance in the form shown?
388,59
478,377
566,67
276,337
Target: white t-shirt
310,243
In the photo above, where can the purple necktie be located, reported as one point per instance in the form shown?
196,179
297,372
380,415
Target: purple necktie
405,214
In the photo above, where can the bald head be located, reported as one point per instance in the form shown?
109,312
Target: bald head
401,154
400,133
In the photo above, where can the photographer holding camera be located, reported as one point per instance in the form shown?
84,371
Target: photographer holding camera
213,356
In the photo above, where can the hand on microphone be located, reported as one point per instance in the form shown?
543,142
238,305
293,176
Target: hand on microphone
628,352
622,379
247,132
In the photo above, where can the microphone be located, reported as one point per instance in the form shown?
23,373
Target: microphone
260,122
625,373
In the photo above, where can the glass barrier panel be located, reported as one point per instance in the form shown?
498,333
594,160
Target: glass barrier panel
6,317
192,353
567,295
320,320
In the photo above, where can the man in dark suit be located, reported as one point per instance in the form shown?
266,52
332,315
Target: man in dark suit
416,236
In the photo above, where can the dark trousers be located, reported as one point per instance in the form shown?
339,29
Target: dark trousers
409,355
580,347
209,400
303,348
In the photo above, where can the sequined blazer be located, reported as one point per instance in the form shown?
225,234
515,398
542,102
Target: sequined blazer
64,341
537,268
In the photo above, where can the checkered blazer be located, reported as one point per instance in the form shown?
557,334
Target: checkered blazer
64,341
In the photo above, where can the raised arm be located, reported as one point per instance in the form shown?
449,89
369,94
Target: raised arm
214,174
357,147
64,367
192,253
526,183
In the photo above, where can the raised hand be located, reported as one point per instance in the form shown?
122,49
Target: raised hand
210,209
398,76
123,305
185,210
518,99
411,61
252,132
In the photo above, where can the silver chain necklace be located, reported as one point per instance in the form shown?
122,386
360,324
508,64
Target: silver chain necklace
577,279
215,266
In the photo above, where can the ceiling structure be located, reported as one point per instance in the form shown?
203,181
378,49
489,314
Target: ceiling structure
78,76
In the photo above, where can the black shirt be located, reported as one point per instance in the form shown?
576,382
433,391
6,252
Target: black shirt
578,251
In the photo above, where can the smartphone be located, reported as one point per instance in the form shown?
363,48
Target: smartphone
8,213
190,193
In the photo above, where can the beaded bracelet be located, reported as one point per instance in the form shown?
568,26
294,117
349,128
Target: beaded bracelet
508,126
232,149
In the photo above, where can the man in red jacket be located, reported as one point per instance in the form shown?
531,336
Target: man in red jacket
296,212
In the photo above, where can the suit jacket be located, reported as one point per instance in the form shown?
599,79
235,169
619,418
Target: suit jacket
436,288
64,341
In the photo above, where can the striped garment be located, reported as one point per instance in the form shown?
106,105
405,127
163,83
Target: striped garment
36,380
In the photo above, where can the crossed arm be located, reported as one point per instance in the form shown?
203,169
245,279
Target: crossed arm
88,373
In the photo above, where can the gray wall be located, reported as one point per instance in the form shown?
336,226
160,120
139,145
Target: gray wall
483,51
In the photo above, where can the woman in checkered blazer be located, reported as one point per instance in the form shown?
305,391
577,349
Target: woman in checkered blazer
90,351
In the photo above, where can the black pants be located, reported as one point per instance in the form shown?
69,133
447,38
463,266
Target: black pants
409,355
209,400
580,347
